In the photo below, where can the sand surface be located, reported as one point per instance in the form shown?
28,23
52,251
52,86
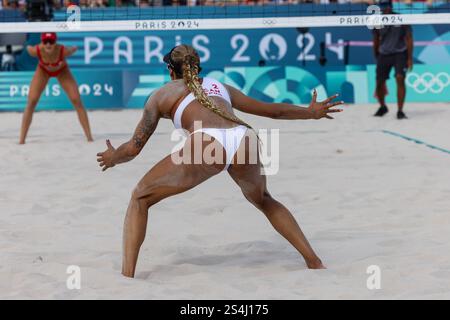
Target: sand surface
363,197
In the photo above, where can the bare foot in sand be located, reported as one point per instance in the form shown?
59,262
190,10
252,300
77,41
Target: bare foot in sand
316,264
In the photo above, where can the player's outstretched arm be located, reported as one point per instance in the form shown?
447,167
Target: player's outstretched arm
316,110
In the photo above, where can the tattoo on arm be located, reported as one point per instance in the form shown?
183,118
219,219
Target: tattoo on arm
146,128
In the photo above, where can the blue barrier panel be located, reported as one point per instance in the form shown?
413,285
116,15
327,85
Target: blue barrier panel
129,89
98,88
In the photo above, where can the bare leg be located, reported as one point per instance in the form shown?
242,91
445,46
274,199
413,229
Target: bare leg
134,230
381,91
401,91
284,222
253,186
70,86
37,86
163,180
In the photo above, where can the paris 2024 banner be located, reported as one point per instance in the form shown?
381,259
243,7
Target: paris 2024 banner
109,89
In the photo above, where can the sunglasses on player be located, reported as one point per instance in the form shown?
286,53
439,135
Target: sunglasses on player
48,41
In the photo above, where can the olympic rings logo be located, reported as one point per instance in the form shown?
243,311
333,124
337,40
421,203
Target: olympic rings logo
428,82
269,22
62,25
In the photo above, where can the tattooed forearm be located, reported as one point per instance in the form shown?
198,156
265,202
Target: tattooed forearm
129,150
138,142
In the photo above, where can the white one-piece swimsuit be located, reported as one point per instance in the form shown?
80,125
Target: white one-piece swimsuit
229,138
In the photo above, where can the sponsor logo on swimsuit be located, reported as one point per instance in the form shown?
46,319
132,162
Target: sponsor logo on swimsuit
213,91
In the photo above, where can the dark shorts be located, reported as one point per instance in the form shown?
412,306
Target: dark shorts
385,62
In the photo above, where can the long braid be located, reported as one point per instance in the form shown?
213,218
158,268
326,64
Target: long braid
190,77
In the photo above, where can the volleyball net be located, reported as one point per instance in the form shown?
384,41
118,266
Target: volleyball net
222,15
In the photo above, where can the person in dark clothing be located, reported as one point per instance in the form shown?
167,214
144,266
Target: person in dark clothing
393,47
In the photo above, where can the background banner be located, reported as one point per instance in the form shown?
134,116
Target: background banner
103,88
241,48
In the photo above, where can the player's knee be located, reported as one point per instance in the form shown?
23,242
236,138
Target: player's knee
76,102
400,79
259,199
267,199
137,193
143,197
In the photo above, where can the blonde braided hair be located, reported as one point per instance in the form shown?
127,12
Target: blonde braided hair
190,62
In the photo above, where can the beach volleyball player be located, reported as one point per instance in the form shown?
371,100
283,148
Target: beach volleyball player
188,99
52,63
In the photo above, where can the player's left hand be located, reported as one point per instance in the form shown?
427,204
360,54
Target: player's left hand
105,158
322,109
